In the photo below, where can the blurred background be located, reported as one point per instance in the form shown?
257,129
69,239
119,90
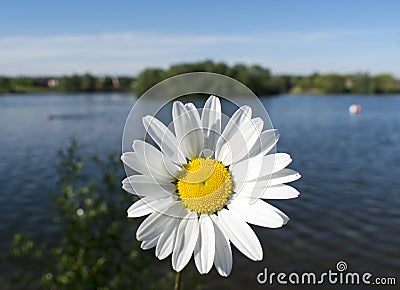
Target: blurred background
70,71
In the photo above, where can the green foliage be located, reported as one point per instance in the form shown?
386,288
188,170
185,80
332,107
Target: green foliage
23,82
4,84
126,83
385,83
353,84
257,78
73,83
148,78
97,249
69,83
71,163
104,84
88,83
362,84
329,83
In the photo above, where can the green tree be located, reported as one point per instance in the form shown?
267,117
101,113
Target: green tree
386,84
362,84
5,85
70,83
126,83
148,78
23,82
330,83
304,83
87,83
257,78
104,84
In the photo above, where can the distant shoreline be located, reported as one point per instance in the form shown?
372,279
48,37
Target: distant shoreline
303,93
52,92
258,79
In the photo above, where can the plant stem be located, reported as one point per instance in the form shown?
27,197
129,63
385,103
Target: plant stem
177,281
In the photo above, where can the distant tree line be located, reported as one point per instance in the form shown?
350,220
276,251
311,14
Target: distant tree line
257,78
262,82
72,83
361,83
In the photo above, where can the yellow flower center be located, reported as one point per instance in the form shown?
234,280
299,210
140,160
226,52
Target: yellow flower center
204,185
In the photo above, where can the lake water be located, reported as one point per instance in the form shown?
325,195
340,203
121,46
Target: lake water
350,201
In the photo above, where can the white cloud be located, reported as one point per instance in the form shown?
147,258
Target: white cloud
130,52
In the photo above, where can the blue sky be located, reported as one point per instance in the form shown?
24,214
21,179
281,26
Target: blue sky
123,37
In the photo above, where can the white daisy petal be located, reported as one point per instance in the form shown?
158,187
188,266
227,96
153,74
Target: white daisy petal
151,227
185,242
239,143
132,160
155,158
280,191
263,190
143,179
163,137
149,244
254,190
192,107
267,207
279,161
166,241
245,138
281,213
211,123
147,205
257,213
154,224
205,247
284,176
241,235
198,137
259,166
241,116
188,130
142,186
223,252
182,125
265,143
248,169
140,208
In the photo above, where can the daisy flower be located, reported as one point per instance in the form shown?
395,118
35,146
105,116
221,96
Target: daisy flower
204,185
